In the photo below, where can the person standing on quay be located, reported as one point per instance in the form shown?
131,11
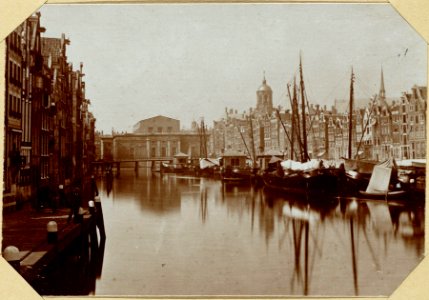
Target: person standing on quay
94,188
75,203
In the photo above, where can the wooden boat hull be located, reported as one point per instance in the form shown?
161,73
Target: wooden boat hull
382,195
236,176
316,183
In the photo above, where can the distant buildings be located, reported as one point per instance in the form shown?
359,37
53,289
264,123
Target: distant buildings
49,132
156,137
380,129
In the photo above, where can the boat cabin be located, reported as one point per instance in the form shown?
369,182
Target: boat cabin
268,158
180,159
233,160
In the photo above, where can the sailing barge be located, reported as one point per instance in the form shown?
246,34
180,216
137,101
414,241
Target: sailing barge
305,176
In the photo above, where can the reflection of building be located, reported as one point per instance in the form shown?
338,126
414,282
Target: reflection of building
157,137
154,194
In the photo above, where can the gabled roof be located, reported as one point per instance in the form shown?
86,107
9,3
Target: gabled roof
51,47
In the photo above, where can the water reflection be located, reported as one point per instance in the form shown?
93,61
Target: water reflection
74,272
193,236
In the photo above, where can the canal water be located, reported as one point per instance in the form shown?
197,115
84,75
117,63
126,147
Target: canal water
177,235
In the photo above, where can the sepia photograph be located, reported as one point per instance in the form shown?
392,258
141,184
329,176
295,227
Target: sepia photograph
214,150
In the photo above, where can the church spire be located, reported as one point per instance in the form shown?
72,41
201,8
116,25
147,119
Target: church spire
382,93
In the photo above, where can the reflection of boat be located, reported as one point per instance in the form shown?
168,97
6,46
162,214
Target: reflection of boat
379,223
304,221
379,186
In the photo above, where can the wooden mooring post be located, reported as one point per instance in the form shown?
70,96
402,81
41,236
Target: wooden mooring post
99,218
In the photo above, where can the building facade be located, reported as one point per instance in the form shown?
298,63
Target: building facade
159,137
41,118
382,128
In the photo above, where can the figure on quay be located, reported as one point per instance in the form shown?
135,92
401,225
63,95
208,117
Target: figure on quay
94,188
75,203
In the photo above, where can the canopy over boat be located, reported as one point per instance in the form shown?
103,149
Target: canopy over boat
181,155
208,163
274,159
418,163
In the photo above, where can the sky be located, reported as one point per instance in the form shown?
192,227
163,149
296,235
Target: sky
191,61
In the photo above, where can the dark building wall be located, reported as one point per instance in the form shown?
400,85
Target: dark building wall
38,114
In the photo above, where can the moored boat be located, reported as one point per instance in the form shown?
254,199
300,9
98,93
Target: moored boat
178,165
310,178
234,168
383,183
412,175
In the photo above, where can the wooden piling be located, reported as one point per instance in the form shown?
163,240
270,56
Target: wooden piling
99,218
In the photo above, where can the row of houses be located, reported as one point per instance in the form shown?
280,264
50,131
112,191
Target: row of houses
49,130
381,128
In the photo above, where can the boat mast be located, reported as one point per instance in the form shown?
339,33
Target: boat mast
203,140
304,135
351,116
244,141
292,125
284,128
252,142
295,119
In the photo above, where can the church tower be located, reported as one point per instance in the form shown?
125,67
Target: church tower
264,95
382,93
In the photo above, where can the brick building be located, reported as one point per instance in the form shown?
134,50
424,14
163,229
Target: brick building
382,128
46,134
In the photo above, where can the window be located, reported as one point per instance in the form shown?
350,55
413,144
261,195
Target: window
159,129
150,129
235,162
169,129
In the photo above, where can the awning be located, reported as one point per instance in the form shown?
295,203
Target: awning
274,159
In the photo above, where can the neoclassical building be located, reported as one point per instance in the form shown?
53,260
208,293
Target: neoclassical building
156,137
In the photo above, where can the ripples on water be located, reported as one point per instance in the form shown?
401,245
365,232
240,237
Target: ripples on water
177,235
